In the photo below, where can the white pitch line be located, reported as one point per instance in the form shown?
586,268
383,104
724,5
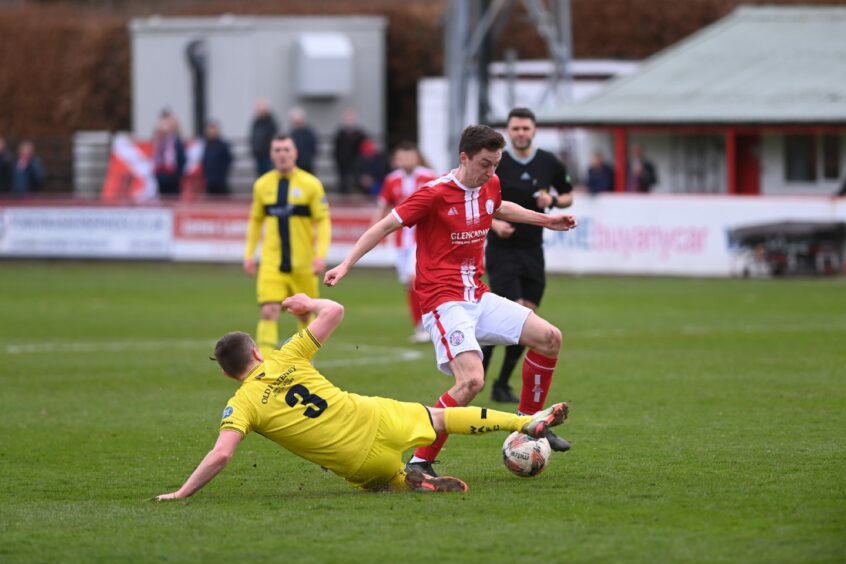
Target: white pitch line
696,330
393,354
401,355
384,354
105,346
702,329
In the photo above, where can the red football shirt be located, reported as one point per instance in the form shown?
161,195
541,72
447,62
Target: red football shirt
397,187
452,223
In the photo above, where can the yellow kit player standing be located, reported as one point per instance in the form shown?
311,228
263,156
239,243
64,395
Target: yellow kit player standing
292,206
360,438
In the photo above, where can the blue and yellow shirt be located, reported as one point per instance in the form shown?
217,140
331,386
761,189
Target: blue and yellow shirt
295,213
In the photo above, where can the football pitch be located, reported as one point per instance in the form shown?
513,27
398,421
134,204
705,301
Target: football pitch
708,422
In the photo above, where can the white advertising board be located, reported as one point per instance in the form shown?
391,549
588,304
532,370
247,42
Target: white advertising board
669,235
86,232
617,233
209,234
217,234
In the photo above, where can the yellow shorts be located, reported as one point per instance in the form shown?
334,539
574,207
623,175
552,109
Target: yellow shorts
402,426
275,286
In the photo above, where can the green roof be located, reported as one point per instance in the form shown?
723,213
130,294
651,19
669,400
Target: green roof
759,65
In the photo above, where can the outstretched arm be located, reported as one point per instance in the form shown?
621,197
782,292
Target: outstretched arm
379,213
509,211
364,245
329,314
215,461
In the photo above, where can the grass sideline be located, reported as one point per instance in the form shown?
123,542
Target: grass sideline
707,424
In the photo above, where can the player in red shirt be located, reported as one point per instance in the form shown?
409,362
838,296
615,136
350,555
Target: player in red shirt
453,215
399,185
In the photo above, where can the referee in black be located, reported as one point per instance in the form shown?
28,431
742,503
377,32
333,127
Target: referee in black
536,180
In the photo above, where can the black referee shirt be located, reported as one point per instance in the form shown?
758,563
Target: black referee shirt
520,179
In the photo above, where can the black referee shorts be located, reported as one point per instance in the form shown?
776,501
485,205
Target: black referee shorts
516,273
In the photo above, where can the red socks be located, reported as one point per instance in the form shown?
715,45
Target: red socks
537,378
430,452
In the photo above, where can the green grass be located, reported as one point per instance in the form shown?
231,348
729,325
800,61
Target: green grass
708,421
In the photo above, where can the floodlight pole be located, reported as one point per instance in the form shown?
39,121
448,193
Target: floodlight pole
457,25
471,27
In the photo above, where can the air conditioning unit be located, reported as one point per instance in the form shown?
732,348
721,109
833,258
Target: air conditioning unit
323,65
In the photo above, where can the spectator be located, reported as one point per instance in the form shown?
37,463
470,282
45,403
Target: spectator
370,167
168,155
28,174
600,176
347,147
6,164
642,176
263,130
290,215
304,138
217,158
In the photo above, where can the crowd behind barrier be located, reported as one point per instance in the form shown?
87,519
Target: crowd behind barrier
170,198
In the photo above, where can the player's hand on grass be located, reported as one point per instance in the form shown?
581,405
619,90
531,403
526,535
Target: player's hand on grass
250,266
167,496
561,222
334,276
298,304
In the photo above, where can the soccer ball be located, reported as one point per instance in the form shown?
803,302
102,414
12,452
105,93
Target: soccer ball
525,456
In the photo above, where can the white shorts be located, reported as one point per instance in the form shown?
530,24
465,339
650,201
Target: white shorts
406,264
456,327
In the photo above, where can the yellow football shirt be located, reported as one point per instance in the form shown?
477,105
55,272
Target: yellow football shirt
290,207
288,401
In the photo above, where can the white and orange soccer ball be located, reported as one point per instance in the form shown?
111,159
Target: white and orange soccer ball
525,456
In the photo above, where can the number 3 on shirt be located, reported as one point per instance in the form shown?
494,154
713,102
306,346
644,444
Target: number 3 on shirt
300,394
